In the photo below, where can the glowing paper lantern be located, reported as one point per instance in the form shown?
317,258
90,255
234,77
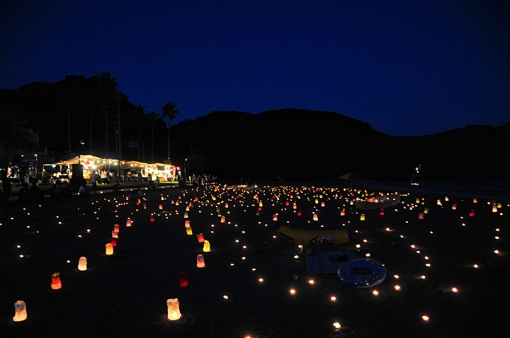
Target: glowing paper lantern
187,224
116,228
342,212
275,217
82,264
381,212
420,215
183,280
113,242
362,217
207,246
20,311
185,214
223,219
446,199
151,219
128,223
475,200
200,261
109,249
323,204
494,208
115,234
189,231
472,213
200,238
454,206
160,207
315,217
426,210
173,309
55,281
294,206
299,213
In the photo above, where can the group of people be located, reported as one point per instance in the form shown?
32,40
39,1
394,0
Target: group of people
30,194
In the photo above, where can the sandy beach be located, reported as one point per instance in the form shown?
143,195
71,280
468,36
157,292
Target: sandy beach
445,258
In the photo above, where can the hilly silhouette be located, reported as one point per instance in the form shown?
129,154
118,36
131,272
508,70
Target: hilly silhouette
291,143
307,144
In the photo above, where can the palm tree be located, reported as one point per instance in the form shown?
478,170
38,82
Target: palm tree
140,116
152,119
107,86
170,112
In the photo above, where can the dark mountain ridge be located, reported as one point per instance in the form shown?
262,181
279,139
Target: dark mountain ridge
292,143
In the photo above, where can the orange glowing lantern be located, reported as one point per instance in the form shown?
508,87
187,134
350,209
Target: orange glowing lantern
275,217
315,217
173,309
128,223
494,208
82,264
109,249
116,228
200,238
187,223
115,234
223,219
160,207
183,280
475,200
185,214
323,204
454,206
20,311
294,206
207,246
200,261
362,217
426,210
189,231
151,219
342,212
56,283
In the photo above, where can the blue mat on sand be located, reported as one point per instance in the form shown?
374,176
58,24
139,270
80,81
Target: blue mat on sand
327,261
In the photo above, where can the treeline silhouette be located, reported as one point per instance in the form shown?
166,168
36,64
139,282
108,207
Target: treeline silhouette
293,144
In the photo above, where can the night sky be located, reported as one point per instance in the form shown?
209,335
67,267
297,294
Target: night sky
406,67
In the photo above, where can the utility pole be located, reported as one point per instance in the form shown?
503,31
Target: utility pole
69,132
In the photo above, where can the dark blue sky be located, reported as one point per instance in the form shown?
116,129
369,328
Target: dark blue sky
406,67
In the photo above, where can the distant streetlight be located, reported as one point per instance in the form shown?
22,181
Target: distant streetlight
82,143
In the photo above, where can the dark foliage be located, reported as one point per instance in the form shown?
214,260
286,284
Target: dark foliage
291,143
